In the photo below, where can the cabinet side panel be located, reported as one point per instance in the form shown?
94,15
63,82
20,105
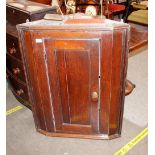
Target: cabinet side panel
123,76
28,61
42,81
117,80
37,88
106,66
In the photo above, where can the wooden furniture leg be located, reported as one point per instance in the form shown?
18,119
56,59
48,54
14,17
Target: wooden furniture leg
129,87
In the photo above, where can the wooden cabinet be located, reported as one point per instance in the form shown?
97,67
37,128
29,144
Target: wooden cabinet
76,76
17,13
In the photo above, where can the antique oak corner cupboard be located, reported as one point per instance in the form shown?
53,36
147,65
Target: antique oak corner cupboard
76,72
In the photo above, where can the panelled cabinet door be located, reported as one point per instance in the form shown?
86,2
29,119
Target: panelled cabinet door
74,86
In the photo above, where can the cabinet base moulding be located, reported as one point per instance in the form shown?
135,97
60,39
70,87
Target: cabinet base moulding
69,135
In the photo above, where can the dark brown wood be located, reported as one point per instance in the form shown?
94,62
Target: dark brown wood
18,88
14,61
105,89
17,15
76,76
15,67
138,40
80,79
12,46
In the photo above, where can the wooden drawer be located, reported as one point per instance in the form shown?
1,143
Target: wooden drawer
13,46
18,89
15,16
15,68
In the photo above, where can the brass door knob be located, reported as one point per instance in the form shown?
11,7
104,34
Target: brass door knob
20,91
16,71
94,96
12,50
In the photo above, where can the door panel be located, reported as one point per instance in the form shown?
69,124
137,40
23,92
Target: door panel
73,71
73,68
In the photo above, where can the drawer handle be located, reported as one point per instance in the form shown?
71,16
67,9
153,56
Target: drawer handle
20,91
12,50
94,96
16,71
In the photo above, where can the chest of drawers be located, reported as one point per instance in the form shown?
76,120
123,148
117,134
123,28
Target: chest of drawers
76,73
17,13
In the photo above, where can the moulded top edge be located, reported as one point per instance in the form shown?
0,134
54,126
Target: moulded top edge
51,24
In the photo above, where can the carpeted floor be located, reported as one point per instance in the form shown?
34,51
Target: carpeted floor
22,138
138,74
